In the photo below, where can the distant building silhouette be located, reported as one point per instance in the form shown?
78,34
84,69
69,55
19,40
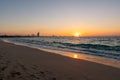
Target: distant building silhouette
38,34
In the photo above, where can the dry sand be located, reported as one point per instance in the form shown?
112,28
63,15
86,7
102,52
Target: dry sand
24,63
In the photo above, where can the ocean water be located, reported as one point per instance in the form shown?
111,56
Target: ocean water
107,47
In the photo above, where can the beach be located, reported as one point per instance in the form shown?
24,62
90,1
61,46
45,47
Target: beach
19,62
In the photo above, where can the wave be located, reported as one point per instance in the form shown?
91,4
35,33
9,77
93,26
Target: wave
92,46
62,44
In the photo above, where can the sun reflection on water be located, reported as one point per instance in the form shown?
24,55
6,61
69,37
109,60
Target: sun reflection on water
75,56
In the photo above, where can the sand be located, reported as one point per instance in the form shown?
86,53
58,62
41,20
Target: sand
24,63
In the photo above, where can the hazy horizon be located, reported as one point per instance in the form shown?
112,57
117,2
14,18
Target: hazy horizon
60,17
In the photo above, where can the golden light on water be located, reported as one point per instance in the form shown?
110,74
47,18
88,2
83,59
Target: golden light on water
75,56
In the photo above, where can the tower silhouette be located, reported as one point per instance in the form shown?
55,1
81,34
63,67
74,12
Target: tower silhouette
38,34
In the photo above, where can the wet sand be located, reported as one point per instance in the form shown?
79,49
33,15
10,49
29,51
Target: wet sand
24,63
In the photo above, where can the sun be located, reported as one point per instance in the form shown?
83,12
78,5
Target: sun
77,34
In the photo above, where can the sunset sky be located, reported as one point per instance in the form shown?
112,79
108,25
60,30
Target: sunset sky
60,17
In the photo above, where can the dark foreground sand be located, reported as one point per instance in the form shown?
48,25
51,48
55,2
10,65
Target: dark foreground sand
23,63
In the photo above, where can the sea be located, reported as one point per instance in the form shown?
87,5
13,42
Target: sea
107,47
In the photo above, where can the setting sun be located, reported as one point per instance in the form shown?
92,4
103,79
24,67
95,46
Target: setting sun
77,34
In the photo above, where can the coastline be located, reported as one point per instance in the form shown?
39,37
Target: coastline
82,56
22,63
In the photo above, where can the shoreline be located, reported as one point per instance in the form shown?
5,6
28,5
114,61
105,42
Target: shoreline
24,63
82,56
